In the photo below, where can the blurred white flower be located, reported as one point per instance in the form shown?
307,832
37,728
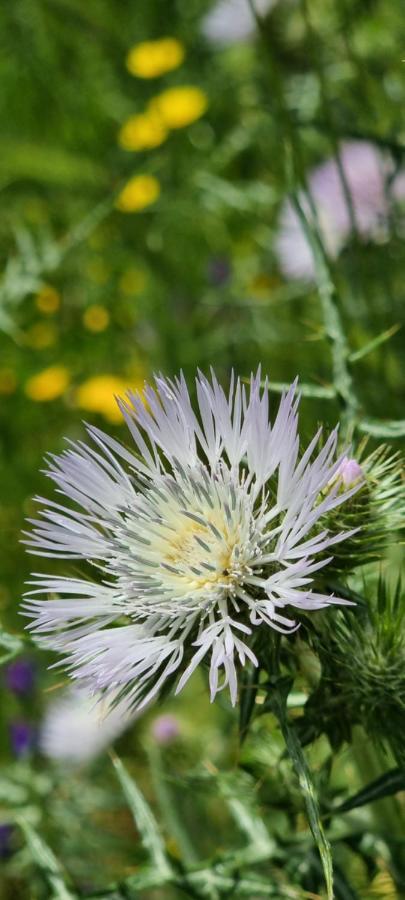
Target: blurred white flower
77,727
210,530
367,172
232,21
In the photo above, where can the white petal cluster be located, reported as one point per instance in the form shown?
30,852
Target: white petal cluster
206,532
76,728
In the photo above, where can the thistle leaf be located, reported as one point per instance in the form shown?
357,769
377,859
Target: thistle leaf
278,702
46,860
384,786
144,819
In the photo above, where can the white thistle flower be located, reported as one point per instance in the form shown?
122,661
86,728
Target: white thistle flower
76,728
208,532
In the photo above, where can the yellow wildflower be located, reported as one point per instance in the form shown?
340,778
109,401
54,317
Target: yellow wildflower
133,281
96,318
98,393
142,132
139,192
8,381
47,385
47,300
261,286
153,58
179,106
41,335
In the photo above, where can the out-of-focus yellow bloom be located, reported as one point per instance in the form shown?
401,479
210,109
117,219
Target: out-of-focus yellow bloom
98,270
261,286
96,318
153,58
142,132
179,106
133,281
139,192
47,300
41,335
47,385
8,381
98,393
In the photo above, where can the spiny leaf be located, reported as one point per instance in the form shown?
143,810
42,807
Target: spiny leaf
143,818
384,786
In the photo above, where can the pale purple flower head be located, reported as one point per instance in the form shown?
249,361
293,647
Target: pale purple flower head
367,172
232,21
165,729
209,528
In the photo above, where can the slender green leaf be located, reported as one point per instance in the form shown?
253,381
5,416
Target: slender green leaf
373,344
237,788
278,703
48,164
12,645
46,860
383,429
170,813
144,819
388,784
307,390
249,685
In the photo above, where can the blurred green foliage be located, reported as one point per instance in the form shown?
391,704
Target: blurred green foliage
194,279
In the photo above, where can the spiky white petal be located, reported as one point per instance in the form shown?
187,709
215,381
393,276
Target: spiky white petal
207,530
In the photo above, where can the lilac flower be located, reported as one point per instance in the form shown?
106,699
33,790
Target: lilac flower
165,729
76,728
6,840
20,676
232,21
366,172
21,737
207,531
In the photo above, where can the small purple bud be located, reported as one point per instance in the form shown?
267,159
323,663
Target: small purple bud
20,676
21,737
350,472
218,271
165,729
6,836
